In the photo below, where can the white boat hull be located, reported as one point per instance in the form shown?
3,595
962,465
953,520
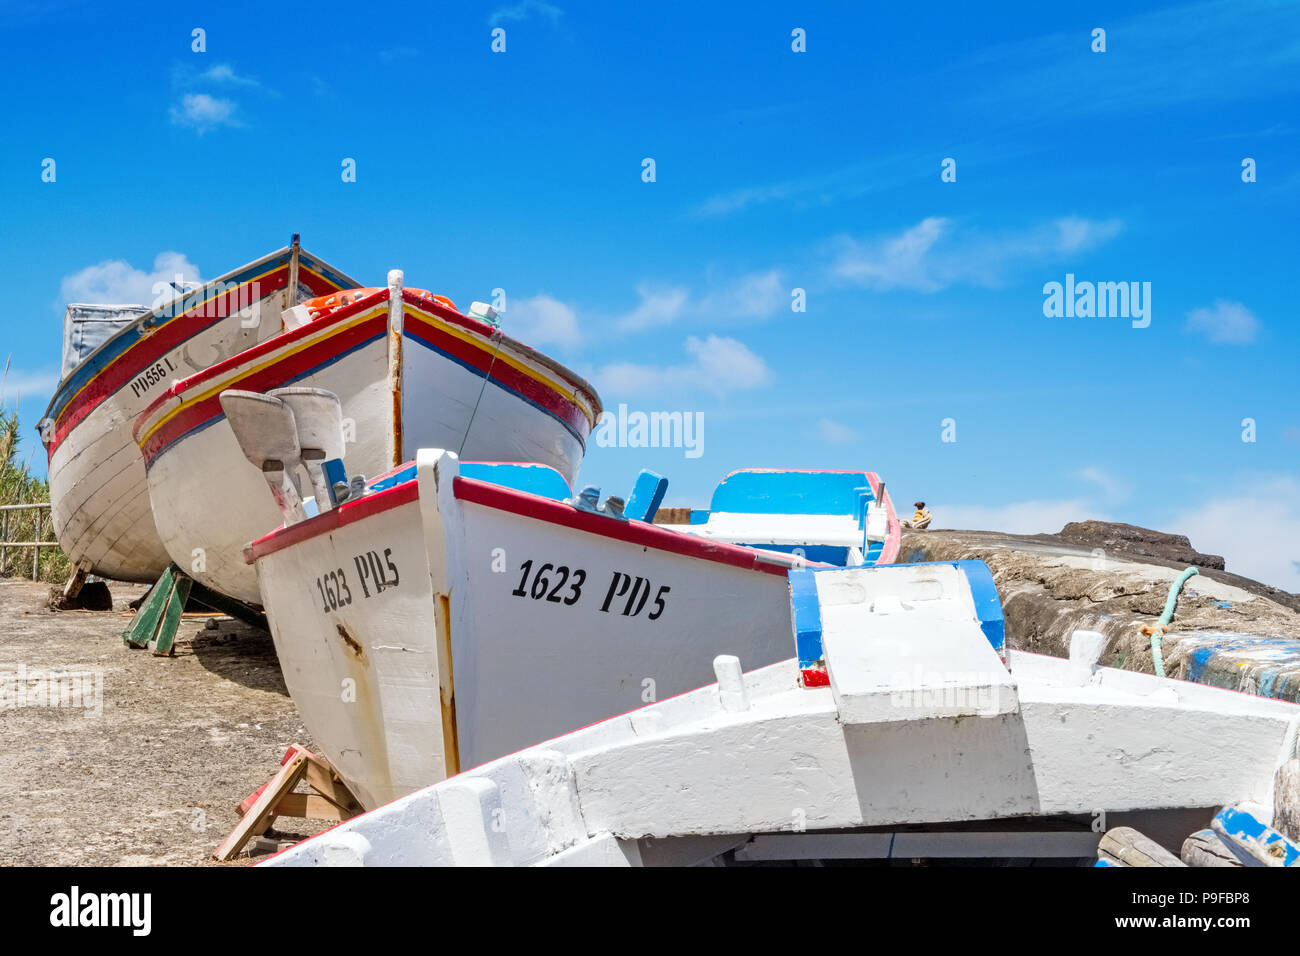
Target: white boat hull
920,727
466,655
209,501
98,493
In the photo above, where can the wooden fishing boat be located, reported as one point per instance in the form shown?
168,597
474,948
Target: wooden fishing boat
410,370
922,745
843,518
98,493
473,609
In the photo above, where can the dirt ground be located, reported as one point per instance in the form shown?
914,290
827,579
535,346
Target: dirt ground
151,771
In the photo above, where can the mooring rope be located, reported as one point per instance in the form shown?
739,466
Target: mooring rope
464,438
1162,625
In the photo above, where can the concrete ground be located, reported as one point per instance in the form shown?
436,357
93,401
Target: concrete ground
151,771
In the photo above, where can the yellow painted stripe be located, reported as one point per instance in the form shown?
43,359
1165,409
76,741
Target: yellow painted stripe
140,341
237,374
479,342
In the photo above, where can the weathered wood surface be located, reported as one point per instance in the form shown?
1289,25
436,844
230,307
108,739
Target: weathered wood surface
1129,847
1286,800
257,819
1204,848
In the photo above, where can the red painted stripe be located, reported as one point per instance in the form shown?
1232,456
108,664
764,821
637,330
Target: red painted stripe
577,383
272,376
815,677
344,514
255,352
149,350
529,506
632,532
894,534
480,357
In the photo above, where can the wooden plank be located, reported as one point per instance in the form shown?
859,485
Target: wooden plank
673,516
1286,800
1131,848
163,643
262,810
326,782
310,805
322,778
145,626
1204,848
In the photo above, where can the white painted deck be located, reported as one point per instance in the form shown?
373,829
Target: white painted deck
741,762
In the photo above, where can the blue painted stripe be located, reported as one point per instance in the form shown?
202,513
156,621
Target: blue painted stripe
647,495
117,345
114,347
288,381
807,612
535,479
835,554
1236,827
793,492
393,480
582,442
988,605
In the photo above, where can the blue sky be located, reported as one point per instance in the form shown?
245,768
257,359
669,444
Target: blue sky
775,170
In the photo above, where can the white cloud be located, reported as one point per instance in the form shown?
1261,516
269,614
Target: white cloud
1021,517
204,112
1110,486
541,320
902,260
657,307
835,433
20,388
1074,234
716,364
526,9
937,253
117,282
756,295
1228,322
224,73
1255,526
726,203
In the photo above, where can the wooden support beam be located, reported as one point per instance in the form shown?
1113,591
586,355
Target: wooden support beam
1204,848
159,616
259,814
332,800
1286,800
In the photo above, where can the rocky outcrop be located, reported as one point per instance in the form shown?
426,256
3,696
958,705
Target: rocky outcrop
1114,536
1228,631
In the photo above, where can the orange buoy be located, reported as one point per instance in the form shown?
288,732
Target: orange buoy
324,304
